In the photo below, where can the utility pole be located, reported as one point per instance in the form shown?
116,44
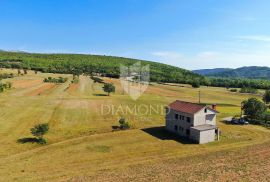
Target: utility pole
241,110
199,96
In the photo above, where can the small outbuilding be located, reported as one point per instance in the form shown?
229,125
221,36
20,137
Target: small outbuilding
194,121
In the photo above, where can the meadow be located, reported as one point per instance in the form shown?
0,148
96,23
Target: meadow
82,146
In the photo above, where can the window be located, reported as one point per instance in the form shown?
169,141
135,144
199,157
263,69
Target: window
175,127
188,132
181,117
188,119
176,116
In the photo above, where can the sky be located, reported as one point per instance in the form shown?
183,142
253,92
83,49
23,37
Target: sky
191,34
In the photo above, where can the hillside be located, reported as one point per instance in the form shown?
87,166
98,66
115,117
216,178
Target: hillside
211,71
82,147
106,65
252,72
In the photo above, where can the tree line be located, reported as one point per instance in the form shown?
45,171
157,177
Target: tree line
109,66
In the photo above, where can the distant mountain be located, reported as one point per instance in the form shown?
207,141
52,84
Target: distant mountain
252,72
211,71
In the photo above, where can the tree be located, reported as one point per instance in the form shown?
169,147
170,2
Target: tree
109,88
123,124
253,108
266,96
195,84
40,130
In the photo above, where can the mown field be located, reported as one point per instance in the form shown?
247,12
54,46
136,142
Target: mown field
82,147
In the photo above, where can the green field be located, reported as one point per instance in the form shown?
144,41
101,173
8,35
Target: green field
82,147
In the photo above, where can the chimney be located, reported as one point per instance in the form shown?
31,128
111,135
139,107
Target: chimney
214,107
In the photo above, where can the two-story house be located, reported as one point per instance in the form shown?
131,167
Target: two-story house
194,121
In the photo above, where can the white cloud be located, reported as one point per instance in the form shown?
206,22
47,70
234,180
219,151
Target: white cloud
262,38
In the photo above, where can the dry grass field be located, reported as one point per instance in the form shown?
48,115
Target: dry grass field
82,147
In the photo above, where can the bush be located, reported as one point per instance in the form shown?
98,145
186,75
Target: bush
40,129
248,90
6,75
123,124
97,79
233,90
196,84
5,86
75,79
55,80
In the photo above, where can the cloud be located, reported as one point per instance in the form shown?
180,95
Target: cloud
262,38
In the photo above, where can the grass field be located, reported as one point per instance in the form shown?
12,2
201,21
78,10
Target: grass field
82,147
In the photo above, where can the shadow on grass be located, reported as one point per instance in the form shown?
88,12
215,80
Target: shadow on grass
115,128
100,94
162,134
32,140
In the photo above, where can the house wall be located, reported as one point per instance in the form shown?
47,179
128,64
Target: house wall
207,136
195,135
202,117
202,137
182,125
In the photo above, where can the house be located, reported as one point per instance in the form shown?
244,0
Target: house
194,121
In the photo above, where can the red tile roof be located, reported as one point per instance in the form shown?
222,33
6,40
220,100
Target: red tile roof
186,107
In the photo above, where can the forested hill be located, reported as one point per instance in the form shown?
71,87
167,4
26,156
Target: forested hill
211,71
252,72
105,65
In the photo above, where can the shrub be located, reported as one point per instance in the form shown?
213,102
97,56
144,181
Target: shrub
248,90
196,84
9,85
5,86
123,124
97,79
55,80
75,79
25,71
40,129
233,90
